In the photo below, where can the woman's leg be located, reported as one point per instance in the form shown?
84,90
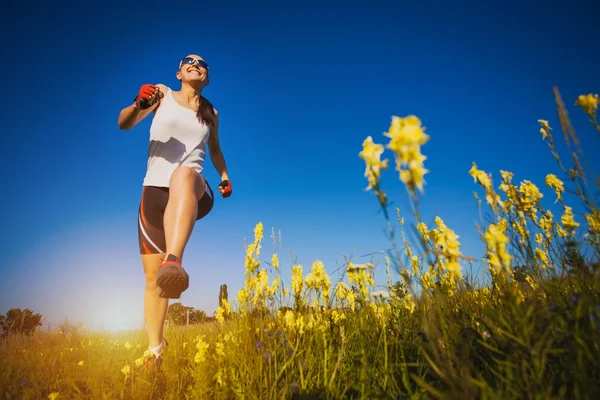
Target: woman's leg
186,189
155,307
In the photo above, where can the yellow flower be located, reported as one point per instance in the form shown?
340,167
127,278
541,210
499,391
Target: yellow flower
126,370
127,345
546,224
480,177
220,349
201,349
359,276
53,395
407,136
593,221
542,256
448,242
242,296
423,230
496,241
80,362
251,262
275,262
337,316
588,102
427,281
521,229
415,265
554,183
545,129
219,314
344,293
297,280
371,154
318,279
530,197
539,238
568,222
506,176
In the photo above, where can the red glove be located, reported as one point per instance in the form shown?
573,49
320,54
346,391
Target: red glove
225,188
147,96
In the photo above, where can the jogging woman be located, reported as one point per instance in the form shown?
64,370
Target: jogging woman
175,194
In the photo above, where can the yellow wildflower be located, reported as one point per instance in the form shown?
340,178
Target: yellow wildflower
532,284
593,221
251,262
415,265
447,241
297,281
220,349
242,296
318,279
542,256
371,154
408,303
344,293
407,136
496,241
427,281
480,177
337,316
361,278
201,348
546,224
554,183
275,262
521,229
126,370
80,363
539,238
423,230
545,129
128,345
530,197
53,395
506,176
568,221
219,314
588,102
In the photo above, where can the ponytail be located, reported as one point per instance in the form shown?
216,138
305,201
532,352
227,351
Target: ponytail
206,111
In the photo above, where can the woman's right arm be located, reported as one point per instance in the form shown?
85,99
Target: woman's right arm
131,115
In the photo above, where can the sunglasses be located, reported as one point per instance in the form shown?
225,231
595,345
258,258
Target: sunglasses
191,60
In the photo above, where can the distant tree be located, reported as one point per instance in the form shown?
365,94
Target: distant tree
197,316
223,294
19,321
178,314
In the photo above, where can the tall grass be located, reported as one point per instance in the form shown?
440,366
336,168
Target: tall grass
531,333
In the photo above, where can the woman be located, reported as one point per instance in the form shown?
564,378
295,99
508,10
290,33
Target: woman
175,194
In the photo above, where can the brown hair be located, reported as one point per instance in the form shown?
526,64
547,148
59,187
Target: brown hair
206,111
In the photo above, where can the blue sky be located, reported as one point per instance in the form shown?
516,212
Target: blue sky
298,87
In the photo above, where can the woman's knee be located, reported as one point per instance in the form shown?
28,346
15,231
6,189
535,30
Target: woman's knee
188,177
184,175
151,263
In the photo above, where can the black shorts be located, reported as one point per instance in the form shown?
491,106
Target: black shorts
151,232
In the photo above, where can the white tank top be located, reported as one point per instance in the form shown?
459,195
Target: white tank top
177,138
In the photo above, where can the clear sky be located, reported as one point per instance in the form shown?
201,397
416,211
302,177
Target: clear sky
298,86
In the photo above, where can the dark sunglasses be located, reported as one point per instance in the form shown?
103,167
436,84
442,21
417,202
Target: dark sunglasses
191,60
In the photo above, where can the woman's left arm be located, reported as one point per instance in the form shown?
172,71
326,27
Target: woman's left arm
216,155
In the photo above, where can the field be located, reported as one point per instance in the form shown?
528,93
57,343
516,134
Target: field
532,332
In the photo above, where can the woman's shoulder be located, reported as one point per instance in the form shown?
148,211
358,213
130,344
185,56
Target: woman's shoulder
163,88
